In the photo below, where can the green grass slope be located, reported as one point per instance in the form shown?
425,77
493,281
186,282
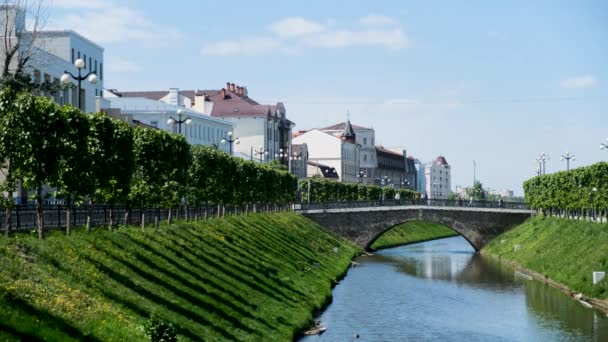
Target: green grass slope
410,232
245,278
563,250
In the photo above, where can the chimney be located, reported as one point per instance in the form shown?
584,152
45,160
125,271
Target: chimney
223,93
232,87
227,85
238,90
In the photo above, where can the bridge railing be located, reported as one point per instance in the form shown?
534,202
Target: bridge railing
411,202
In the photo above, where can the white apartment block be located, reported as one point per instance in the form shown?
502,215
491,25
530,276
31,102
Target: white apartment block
438,177
365,138
331,151
203,130
53,53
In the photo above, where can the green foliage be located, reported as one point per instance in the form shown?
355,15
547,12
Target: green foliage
113,161
566,251
242,278
329,190
411,232
159,330
581,188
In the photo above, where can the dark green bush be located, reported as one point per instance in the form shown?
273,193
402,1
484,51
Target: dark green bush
160,330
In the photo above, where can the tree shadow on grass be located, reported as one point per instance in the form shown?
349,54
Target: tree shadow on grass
245,266
141,291
244,277
52,321
191,285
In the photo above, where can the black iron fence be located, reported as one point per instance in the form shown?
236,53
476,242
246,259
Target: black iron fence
24,217
410,202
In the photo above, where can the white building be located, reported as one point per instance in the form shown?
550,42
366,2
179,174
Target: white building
256,125
204,130
365,137
53,53
438,178
340,153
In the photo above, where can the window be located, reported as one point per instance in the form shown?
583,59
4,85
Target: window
90,64
85,62
365,157
364,141
72,55
95,92
78,54
95,66
101,71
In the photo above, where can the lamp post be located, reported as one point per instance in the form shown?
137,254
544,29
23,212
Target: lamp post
261,153
230,141
541,159
361,176
604,145
172,121
567,158
384,181
68,76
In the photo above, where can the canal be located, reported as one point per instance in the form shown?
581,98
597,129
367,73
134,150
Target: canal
442,291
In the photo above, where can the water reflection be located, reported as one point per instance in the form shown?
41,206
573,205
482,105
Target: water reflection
442,290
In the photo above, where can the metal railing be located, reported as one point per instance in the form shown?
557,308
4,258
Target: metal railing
411,202
23,217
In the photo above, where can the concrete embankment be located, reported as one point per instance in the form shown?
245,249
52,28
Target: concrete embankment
246,278
562,253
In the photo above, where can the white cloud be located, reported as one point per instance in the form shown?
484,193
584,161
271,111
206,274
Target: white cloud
80,4
377,20
247,47
585,81
390,39
295,27
104,22
117,64
294,34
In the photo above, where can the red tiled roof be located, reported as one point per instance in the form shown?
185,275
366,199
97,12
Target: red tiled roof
340,127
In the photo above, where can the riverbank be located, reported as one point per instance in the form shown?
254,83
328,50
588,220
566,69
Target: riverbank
563,253
412,232
246,278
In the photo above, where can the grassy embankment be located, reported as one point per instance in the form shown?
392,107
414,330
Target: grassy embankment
564,251
245,278
411,232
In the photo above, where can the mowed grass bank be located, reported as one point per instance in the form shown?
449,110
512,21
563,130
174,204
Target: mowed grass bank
565,251
411,232
245,278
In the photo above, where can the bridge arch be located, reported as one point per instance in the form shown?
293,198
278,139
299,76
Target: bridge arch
363,225
368,247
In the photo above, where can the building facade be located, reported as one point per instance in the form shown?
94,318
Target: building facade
338,153
391,168
51,54
365,138
203,130
256,125
299,161
438,179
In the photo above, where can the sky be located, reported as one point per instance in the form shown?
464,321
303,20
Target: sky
486,81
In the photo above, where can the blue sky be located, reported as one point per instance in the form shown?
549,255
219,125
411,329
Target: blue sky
473,80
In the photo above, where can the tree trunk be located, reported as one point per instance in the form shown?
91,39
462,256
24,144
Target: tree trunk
143,219
89,215
111,217
169,216
8,222
68,219
39,213
186,212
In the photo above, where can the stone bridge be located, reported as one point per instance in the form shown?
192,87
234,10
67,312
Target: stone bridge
363,226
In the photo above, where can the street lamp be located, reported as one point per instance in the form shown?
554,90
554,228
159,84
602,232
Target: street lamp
261,153
604,146
384,180
230,141
67,76
541,159
361,176
172,121
567,158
